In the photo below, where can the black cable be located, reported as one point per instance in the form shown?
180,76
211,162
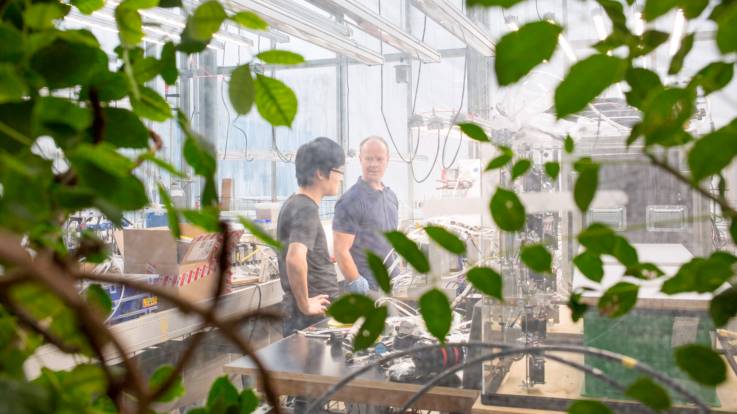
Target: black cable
227,111
612,356
258,308
452,370
245,140
460,106
537,10
419,68
434,161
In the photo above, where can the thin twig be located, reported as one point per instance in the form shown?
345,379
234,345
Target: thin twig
178,369
156,138
98,123
225,326
721,201
29,322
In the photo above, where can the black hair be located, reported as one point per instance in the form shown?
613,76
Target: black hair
321,154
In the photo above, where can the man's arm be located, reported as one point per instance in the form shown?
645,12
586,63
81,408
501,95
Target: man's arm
296,262
342,243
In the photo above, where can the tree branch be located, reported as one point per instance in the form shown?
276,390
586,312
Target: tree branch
98,123
227,327
727,209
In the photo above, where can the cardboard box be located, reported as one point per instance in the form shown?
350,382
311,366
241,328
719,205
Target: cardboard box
188,265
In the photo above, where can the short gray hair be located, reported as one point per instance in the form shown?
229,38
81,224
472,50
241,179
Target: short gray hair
374,138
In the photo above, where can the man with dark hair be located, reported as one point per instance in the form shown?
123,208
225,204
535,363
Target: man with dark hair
307,273
364,212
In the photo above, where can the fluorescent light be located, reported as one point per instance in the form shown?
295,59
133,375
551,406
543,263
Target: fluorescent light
312,27
679,23
599,24
511,22
170,20
639,28
380,27
567,49
457,23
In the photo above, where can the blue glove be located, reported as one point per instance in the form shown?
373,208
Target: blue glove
360,285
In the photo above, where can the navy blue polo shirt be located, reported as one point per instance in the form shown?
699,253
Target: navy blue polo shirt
367,213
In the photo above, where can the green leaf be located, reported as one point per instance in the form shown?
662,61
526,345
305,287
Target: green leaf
474,131
702,364
110,86
586,184
276,103
588,407
537,258
693,8
713,76
189,45
206,218
590,266
436,312
577,307
241,89
348,308
12,86
65,64
625,252
151,105
130,25
486,280
656,8
649,41
259,233
206,20
732,229
168,63
158,378
104,157
139,4
381,275
97,297
665,113
568,145
280,57
41,16
198,153
124,129
701,275
713,152
11,43
552,169
723,307
520,168
727,30
172,216
507,211
518,52
163,165
649,393
371,328
146,69
446,239
249,20
501,160
642,82
170,4
249,401
585,81
222,392
618,299
88,6
408,250
676,64
51,112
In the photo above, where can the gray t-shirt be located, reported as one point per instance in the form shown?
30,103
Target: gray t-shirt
299,222
367,214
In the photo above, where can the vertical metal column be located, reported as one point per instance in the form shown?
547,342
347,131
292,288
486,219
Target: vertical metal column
407,26
341,79
272,45
206,100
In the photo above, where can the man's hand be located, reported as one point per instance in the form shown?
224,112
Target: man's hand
359,285
317,305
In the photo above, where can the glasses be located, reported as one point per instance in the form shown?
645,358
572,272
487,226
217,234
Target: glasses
337,171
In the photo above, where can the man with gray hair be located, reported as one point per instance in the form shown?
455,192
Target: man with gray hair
364,212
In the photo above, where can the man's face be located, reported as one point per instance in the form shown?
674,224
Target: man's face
374,160
332,184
